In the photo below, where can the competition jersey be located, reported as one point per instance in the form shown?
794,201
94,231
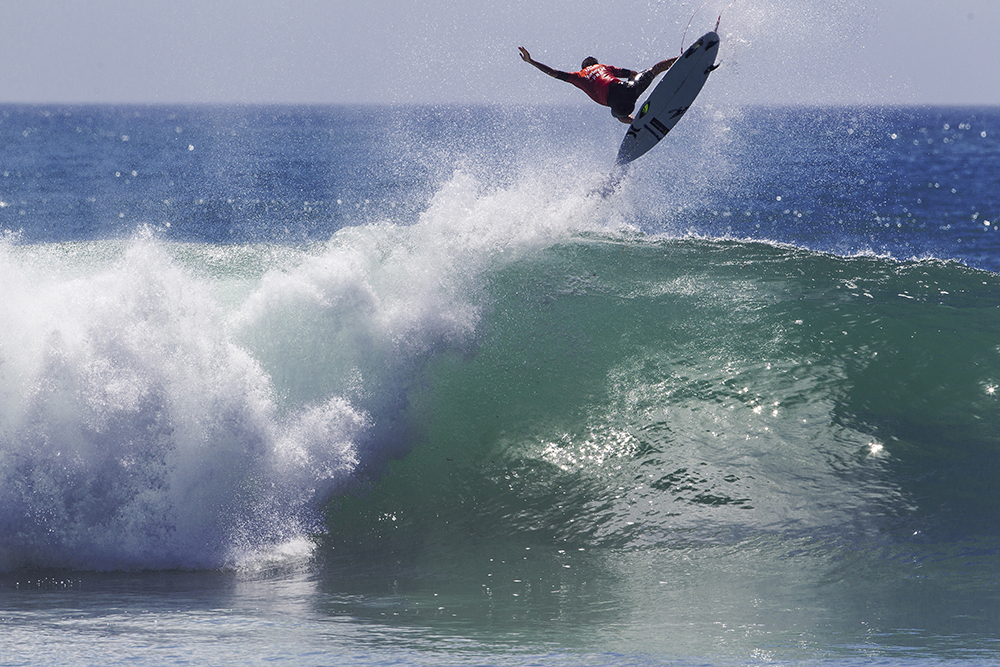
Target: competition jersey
596,79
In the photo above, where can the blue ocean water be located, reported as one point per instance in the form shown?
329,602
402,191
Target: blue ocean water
293,385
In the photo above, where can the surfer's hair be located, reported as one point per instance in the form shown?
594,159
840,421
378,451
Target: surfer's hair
588,61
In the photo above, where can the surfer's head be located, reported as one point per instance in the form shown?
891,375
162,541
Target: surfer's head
588,61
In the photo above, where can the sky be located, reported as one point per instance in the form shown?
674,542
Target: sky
881,52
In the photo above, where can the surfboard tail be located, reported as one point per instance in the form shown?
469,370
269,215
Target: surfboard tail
625,151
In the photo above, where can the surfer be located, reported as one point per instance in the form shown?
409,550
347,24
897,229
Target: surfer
609,86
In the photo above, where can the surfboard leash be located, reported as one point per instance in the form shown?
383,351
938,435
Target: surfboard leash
719,20
684,36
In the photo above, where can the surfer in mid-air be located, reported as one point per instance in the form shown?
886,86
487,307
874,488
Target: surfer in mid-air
609,86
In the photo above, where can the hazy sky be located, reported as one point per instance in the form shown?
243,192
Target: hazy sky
465,51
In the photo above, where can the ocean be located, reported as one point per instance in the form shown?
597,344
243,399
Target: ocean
369,386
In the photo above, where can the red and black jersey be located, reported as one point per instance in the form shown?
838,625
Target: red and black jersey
596,79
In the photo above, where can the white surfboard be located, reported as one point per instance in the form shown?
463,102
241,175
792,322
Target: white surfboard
670,99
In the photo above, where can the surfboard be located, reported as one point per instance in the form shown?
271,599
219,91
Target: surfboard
670,100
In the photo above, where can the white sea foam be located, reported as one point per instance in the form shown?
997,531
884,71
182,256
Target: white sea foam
134,432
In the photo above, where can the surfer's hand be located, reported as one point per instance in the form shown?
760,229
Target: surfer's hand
525,56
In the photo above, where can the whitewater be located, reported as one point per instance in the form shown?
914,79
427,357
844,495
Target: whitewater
176,405
276,387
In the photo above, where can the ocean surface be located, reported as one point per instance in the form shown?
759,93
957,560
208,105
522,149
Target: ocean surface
360,385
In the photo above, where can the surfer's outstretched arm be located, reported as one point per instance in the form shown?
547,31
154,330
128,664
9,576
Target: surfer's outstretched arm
526,57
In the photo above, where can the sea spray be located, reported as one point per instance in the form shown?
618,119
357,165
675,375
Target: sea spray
362,314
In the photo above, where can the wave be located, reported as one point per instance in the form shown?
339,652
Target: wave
629,391
505,365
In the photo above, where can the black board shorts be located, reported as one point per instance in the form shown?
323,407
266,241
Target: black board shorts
622,95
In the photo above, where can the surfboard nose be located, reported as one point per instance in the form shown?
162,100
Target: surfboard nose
670,100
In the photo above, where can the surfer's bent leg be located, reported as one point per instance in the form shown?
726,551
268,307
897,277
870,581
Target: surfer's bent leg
621,99
641,82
